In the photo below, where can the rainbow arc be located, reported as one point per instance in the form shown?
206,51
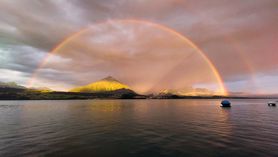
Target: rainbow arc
187,41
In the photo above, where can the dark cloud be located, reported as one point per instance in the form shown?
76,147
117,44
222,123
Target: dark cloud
21,58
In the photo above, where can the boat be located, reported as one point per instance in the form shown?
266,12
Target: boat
272,103
225,103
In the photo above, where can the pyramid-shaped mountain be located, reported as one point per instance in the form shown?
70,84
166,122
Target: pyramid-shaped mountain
108,84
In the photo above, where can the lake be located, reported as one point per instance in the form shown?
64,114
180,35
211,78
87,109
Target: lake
147,128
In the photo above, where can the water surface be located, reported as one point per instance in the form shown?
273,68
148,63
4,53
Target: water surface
146,128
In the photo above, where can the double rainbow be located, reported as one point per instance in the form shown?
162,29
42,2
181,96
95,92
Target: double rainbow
82,31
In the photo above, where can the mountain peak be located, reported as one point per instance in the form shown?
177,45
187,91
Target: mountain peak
109,78
106,84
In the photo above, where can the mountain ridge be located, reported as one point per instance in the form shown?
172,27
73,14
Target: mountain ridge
11,85
108,88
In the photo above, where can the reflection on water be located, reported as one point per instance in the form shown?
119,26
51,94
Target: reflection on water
138,128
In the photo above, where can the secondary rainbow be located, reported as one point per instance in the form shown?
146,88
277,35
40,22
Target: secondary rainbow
220,82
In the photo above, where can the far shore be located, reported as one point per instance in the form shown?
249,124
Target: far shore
110,96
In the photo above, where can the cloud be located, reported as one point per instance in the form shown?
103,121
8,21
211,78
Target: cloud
13,76
240,37
21,58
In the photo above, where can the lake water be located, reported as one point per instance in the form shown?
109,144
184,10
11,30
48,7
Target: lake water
146,128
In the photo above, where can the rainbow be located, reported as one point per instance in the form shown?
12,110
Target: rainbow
220,82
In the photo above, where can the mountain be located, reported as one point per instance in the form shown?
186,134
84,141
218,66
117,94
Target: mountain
41,89
187,92
107,84
10,85
107,88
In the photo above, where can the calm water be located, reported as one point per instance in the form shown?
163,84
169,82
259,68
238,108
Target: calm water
147,128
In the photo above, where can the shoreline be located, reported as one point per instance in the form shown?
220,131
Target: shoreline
188,98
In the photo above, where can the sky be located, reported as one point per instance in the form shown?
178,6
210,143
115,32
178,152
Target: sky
240,39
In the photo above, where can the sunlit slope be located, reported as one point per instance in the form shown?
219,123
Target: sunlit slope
105,85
